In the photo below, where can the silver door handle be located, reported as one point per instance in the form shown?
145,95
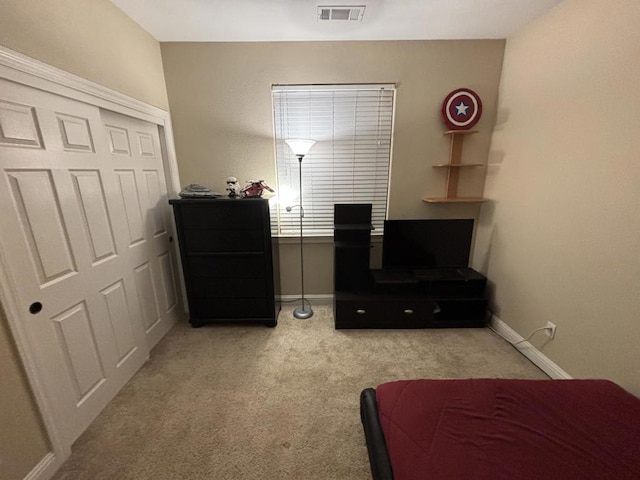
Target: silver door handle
361,312
408,311
436,309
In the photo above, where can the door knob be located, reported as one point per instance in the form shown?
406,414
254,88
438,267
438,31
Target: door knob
35,307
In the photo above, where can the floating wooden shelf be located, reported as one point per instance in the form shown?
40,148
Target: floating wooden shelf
460,132
454,199
453,165
453,170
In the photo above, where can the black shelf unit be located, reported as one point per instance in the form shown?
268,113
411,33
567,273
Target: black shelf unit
351,247
227,259
397,297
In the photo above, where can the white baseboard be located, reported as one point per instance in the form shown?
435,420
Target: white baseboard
528,350
45,469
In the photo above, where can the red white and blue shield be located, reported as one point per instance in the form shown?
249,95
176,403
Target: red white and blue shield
461,109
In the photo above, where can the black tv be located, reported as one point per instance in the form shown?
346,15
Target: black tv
418,244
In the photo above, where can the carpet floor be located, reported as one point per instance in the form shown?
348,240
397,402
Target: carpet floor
251,402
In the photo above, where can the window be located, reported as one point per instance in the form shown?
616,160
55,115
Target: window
349,163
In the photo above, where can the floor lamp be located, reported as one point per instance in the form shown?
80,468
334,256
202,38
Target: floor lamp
300,149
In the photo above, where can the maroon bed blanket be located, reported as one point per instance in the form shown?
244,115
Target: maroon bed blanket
510,429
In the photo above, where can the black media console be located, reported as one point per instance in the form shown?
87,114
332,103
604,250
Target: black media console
406,296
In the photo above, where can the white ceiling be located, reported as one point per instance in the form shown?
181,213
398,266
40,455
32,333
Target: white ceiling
291,20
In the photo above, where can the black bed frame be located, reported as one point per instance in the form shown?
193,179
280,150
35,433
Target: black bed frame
376,445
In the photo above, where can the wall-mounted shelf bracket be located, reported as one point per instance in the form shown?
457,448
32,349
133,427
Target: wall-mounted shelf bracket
454,167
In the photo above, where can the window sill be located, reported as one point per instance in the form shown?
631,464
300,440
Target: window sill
286,240
296,240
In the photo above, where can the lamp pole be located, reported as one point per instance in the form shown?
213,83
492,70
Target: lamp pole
300,148
300,311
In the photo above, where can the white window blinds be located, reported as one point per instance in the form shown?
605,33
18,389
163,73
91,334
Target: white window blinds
349,163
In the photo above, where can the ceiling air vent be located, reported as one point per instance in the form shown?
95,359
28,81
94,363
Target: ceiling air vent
341,12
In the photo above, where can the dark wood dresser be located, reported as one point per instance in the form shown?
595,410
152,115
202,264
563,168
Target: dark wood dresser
227,259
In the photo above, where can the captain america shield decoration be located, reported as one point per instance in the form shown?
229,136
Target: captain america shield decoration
461,109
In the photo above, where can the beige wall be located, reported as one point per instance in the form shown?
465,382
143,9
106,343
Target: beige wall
94,40
560,239
23,442
220,98
103,45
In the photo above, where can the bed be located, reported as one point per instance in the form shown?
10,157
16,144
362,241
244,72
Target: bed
501,429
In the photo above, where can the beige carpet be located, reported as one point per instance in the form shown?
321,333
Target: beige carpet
250,402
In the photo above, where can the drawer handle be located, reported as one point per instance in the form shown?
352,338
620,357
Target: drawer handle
361,312
408,311
436,309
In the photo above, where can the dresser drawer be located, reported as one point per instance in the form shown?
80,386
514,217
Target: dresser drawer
409,313
461,312
207,287
227,266
359,313
201,241
229,309
384,313
237,214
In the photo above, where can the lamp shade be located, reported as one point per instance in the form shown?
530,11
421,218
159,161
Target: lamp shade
300,147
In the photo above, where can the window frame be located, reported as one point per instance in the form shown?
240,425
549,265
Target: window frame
386,93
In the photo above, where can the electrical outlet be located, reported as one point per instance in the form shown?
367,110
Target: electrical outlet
550,329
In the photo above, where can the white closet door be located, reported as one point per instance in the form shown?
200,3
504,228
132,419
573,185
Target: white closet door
68,210
138,175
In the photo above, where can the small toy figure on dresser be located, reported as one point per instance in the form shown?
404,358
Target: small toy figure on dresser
232,187
255,188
